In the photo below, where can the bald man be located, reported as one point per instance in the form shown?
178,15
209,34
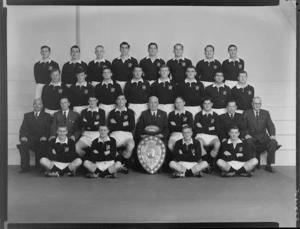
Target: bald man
260,132
34,133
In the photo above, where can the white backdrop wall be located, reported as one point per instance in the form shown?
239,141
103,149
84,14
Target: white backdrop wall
265,40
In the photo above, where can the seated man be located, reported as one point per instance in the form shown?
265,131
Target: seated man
90,120
192,91
242,93
34,133
156,117
79,93
121,124
257,122
220,93
207,129
231,118
176,120
53,92
234,157
137,92
107,92
66,117
165,90
101,160
187,155
61,159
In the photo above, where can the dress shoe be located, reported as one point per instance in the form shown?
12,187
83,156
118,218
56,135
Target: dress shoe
278,147
270,169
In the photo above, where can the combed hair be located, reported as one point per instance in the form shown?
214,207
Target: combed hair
233,127
152,43
45,46
178,44
231,46
209,46
75,46
54,70
80,70
124,43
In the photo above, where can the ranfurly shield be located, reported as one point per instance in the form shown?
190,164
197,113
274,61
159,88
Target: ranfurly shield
151,153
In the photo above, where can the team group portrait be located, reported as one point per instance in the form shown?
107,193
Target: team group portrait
151,115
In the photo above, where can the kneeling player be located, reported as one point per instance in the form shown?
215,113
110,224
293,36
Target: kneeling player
101,161
187,154
176,120
61,160
121,123
234,158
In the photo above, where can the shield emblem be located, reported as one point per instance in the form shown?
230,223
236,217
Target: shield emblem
151,153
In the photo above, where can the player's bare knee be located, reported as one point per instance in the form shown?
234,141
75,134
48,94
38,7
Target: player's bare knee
172,164
118,165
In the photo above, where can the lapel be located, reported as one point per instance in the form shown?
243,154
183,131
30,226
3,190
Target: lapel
252,118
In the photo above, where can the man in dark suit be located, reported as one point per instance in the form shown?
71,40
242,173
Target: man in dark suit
34,133
257,122
67,117
156,117
231,118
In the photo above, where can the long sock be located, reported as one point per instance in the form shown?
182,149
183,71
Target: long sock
241,170
105,172
97,170
55,169
231,170
188,173
66,170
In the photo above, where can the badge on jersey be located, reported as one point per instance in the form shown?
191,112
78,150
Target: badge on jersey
67,149
224,92
86,91
241,149
97,117
183,64
170,87
249,92
197,88
184,119
144,87
158,64
104,66
212,121
240,66
129,65
112,89
60,91
50,68
107,147
180,151
215,67
125,117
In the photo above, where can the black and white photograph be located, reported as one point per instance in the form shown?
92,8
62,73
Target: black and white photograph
150,116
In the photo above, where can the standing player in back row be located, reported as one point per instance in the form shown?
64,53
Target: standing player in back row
151,64
242,93
178,64
96,66
42,70
192,91
165,90
232,66
68,75
123,65
207,67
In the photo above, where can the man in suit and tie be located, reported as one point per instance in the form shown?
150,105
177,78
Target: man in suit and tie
34,133
231,118
66,117
257,123
156,117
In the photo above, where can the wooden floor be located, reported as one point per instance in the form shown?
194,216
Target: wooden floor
140,198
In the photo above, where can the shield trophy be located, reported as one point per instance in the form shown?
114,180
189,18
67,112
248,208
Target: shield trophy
151,153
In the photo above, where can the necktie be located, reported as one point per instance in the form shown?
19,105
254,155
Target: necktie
99,64
257,114
186,146
190,84
36,115
233,63
231,116
154,117
65,117
119,113
73,65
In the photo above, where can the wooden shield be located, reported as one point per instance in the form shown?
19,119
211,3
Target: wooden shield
151,153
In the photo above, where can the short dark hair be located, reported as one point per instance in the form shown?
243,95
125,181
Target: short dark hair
231,101
62,126
179,97
164,66
92,96
137,66
45,46
206,98
124,43
186,127
233,127
121,94
105,68
191,66
209,46
64,97
230,46
152,43
219,71
80,70
54,70
178,44
243,71
75,46
103,125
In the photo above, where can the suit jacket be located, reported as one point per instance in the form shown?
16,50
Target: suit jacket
146,120
258,128
33,128
72,123
226,122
